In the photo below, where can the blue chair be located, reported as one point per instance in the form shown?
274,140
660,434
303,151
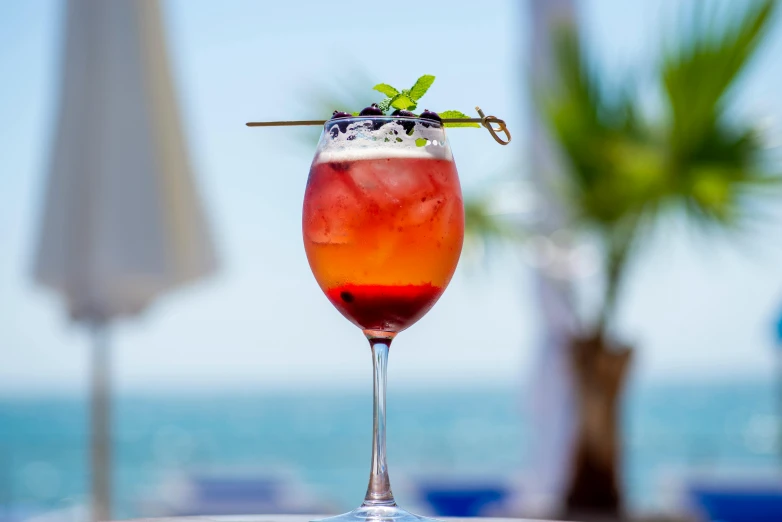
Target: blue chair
739,504
462,500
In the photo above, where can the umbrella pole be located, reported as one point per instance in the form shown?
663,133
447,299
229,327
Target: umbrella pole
101,423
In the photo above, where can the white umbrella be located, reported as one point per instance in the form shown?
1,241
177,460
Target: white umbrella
552,396
122,221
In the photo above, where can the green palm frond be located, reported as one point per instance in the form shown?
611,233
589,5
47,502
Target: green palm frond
346,93
481,224
621,166
712,161
614,164
485,229
701,70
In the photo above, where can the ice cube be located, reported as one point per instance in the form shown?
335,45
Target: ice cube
332,211
424,210
449,219
439,215
402,183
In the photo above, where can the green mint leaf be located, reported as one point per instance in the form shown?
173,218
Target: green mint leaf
452,114
384,105
386,89
456,114
420,142
404,102
354,113
465,124
422,85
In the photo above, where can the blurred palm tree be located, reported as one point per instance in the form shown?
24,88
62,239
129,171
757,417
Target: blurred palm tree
626,174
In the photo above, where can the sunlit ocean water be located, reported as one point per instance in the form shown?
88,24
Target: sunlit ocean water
322,438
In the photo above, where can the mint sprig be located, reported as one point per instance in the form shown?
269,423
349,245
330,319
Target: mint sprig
404,99
407,99
386,89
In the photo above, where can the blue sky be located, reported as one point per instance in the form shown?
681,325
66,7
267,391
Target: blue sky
696,308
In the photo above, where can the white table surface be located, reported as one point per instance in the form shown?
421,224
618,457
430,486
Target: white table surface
302,518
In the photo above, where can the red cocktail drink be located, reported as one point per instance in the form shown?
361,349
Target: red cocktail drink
383,232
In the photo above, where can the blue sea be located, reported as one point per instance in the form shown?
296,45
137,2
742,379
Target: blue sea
323,438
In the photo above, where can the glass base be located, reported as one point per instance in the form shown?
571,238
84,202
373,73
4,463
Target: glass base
378,513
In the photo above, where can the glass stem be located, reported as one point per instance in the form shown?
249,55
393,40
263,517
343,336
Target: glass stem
379,489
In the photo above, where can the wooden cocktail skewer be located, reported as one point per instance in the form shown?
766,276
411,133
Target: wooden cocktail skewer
484,120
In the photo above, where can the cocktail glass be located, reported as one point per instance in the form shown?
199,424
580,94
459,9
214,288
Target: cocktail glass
383,225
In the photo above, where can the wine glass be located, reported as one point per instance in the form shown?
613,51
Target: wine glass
383,225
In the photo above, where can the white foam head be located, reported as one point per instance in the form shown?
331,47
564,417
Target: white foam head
361,141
